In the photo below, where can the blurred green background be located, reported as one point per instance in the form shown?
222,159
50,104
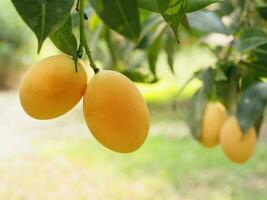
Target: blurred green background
59,159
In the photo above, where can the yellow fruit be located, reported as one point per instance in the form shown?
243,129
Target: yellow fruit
238,147
115,112
212,122
52,87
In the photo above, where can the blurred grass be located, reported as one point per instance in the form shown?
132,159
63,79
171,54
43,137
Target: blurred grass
176,167
170,165
68,164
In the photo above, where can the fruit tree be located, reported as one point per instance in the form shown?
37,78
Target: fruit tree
227,109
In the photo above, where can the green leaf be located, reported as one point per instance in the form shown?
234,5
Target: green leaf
150,5
185,23
260,69
227,84
120,15
43,16
206,21
197,107
251,38
149,26
153,53
207,76
64,39
138,76
170,47
259,60
251,105
262,11
155,41
194,5
260,53
250,79
150,23
173,12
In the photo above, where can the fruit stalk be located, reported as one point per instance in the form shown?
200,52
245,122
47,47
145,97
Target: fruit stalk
83,37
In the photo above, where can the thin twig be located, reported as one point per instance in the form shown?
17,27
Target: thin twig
83,37
77,5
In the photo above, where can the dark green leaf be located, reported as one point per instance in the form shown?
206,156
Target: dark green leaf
194,5
206,21
208,78
251,105
260,69
258,124
64,39
251,38
150,5
120,15
259,54
173,12
197,107
138,76
259,61
228,87
250,79
43,16
263,12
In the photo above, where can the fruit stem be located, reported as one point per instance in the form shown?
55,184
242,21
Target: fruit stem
83,37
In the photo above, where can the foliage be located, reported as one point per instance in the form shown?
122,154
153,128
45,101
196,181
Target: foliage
141,29
64,39
236,78
43,18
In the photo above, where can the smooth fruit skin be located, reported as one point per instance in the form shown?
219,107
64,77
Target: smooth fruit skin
238,147
212,122
115,112
52,87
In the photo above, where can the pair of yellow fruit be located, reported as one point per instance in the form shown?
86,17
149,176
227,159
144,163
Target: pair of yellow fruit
114,109
218,128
